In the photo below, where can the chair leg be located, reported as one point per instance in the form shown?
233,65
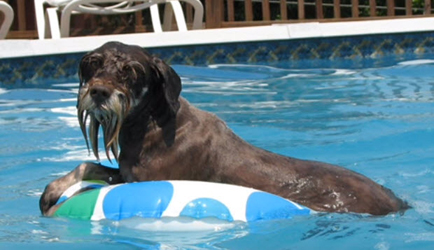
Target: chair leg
198,13
179,15
155,16
54,23
41,19
8,14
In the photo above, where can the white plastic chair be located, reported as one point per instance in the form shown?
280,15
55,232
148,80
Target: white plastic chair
8,13
110,7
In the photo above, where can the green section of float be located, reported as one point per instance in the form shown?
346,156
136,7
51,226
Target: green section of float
97,182
80,206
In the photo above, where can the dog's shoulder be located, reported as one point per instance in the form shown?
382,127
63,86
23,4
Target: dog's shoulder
198,117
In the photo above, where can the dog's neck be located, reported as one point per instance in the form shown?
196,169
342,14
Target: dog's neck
145,117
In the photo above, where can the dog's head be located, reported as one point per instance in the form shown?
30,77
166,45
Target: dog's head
118,81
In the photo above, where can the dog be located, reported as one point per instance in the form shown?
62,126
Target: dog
135,98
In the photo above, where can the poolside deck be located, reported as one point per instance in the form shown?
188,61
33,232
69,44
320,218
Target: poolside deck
312,30
231,13
24,62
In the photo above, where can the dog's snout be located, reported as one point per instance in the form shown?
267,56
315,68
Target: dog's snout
100,93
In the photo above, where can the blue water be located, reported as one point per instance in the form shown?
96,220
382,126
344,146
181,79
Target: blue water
376,121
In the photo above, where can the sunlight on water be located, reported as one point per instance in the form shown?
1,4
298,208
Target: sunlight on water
376,121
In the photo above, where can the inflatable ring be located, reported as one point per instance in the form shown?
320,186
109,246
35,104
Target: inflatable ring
159,199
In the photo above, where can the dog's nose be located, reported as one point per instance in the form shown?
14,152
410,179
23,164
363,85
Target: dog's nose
99,93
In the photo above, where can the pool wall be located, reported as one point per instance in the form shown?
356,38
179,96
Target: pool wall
33,62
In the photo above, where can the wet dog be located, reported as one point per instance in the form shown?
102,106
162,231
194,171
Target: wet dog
155,134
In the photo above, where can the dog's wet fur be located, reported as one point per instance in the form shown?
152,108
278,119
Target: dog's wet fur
155,134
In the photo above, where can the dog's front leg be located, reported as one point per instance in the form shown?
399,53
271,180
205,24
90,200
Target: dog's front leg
85,171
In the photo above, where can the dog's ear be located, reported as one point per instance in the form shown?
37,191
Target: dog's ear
171,84
171,87
80,73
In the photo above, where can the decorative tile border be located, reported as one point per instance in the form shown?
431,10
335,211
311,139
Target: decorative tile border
355,51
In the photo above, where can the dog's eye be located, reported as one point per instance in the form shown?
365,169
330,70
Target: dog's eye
128,72
94,64
126,69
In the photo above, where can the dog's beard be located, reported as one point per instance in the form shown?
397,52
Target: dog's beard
109,116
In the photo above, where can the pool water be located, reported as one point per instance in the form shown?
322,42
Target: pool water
378,121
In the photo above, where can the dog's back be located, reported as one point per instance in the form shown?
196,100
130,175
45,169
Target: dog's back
206,149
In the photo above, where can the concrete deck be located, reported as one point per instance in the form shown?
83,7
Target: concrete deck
28,48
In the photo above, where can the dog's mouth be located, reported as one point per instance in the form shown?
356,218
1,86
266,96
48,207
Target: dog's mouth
109,115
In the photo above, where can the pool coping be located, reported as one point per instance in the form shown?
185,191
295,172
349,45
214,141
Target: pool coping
310,30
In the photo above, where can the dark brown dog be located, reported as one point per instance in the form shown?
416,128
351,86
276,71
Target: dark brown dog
135,98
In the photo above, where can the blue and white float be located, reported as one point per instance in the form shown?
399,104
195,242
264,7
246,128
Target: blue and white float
170,199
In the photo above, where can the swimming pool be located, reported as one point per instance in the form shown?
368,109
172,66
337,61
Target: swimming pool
375,120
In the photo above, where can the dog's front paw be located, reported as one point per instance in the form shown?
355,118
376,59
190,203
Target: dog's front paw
84,171
49,198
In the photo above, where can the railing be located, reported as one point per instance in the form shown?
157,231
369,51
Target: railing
236,13
231,13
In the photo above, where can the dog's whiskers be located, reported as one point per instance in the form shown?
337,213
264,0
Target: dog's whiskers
109,116
93,135
82,121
